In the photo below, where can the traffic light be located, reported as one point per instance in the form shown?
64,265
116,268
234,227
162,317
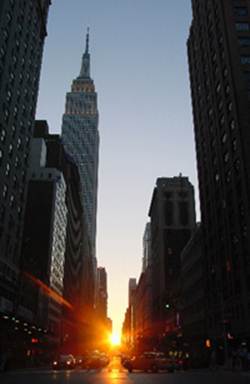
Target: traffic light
34,340
208,343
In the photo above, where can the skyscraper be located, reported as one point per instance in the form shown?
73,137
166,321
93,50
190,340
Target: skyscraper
81,138
44,239
23,30
79,272
219,64
102,294
172,214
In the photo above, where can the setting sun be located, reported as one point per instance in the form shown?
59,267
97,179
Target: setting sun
115,339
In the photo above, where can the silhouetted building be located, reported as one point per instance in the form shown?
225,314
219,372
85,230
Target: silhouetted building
81,139
132,285
144,329
172,214
126,329
147,258
219,64
23,30
79,271
131,290
109,325
44,243
102,294
193,303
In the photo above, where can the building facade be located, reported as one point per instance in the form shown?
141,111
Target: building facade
219,65
81,138
102,294
23,30
172,213
147,258
43,251
193,303
144,329
79,268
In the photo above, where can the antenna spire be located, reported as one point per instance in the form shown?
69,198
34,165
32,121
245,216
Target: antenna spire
87,41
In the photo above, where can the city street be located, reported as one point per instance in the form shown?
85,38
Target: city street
118,375
106,377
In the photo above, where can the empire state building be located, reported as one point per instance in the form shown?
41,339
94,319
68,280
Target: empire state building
81,139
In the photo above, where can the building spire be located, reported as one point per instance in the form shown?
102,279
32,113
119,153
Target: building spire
85,68
87,42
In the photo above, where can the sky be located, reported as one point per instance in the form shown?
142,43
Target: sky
139,65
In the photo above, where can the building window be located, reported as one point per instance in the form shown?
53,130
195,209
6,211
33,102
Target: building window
3,135
244,41
5,191
220,106
240,11
230,106
13,128
10,150
224,138
222,120
2,54
168,213
234,144
217,177
242,26
183,212
6,114
12,201
226,157
14,181
228,176
8,96
168,195
7,170
237,164
218,88
15,111
19,142
245,59
232,125
17,162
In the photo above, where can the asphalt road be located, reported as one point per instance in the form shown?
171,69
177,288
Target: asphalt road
116,376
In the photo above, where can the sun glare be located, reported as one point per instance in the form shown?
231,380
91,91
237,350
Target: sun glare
115,339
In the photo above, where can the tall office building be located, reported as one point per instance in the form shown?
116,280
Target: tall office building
44,240
219,64
79,276
23,30
81,138
132,286
79,272
102,294
172,213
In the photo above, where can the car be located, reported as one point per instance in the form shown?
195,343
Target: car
81,361
144,362
165,363
97,360
64,362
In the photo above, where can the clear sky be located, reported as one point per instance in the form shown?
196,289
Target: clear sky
139,65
